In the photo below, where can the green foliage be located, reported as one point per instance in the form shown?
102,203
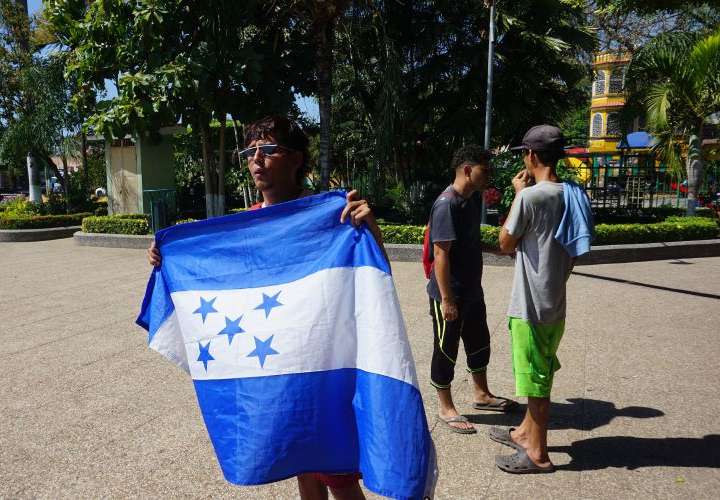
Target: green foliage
97,176
575,123
19,207
506,166
409,85
490,236
409,204
184,221
675,81
672,229
403,234
40,221
117,224
184,62
644,215
414,235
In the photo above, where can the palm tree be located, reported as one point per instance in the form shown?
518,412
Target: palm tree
322,16
675,80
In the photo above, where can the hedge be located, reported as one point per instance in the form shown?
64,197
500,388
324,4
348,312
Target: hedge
403,234
644,215
415,234
672,229
40,221
117,224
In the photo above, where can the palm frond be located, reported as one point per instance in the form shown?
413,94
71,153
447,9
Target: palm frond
704,60
668,149
657,105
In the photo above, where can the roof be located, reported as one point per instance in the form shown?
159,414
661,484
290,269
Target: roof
636,140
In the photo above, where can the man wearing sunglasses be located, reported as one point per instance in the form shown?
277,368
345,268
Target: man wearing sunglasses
276,152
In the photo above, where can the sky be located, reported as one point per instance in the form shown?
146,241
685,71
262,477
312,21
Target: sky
307,105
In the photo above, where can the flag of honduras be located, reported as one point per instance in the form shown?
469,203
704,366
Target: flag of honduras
290,327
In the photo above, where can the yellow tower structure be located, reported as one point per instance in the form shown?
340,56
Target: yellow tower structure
607,101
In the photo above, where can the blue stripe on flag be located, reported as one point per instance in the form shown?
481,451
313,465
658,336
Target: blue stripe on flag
274,245
157,305
381,432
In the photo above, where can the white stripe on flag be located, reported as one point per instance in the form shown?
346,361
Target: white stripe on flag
335,318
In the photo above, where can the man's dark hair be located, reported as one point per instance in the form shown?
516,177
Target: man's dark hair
549,158
472,154
285,132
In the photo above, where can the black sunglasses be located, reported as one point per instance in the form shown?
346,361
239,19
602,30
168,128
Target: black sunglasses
265,150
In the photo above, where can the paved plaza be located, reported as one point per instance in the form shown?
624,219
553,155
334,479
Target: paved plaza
87,411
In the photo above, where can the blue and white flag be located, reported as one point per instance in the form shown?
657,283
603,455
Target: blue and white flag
290,327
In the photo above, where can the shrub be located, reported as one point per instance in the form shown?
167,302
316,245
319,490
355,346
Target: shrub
490,236
117,224
414,235
184,221
40,221
19,207
672,229
131,216
644,215
403,234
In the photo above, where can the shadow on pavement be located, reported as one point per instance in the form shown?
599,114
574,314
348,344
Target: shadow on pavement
578,413
648,285
633,453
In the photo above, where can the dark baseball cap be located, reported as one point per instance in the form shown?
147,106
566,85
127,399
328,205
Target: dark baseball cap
542,138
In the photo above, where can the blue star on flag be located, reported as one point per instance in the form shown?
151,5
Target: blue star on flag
262,350
205,355
232,328
269,303
206,307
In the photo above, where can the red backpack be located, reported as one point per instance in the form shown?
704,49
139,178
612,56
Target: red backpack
427,254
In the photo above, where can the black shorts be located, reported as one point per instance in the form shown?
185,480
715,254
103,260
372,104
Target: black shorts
471,327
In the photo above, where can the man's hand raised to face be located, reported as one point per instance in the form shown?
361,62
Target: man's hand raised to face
521,180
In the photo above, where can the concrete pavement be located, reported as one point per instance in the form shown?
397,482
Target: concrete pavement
86,410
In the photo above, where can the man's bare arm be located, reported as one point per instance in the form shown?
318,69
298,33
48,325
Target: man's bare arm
441,263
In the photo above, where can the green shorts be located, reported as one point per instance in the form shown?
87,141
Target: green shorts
534,348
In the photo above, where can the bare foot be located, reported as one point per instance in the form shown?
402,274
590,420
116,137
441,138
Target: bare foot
483,398
538,458
519,438
448,413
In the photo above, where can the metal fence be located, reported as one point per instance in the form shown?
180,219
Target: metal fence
632,181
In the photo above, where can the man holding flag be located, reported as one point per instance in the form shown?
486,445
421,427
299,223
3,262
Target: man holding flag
293,279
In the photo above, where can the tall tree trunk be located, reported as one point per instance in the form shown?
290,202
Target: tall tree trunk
220,200
694,170
324,37
66,184
208,170
83,156
33,179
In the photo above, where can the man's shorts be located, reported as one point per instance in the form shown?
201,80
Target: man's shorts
338,481
534,348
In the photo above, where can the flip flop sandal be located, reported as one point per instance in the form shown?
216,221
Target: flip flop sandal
502,435
497,404
520,463
459,418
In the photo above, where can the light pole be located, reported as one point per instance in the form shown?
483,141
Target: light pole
488,95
